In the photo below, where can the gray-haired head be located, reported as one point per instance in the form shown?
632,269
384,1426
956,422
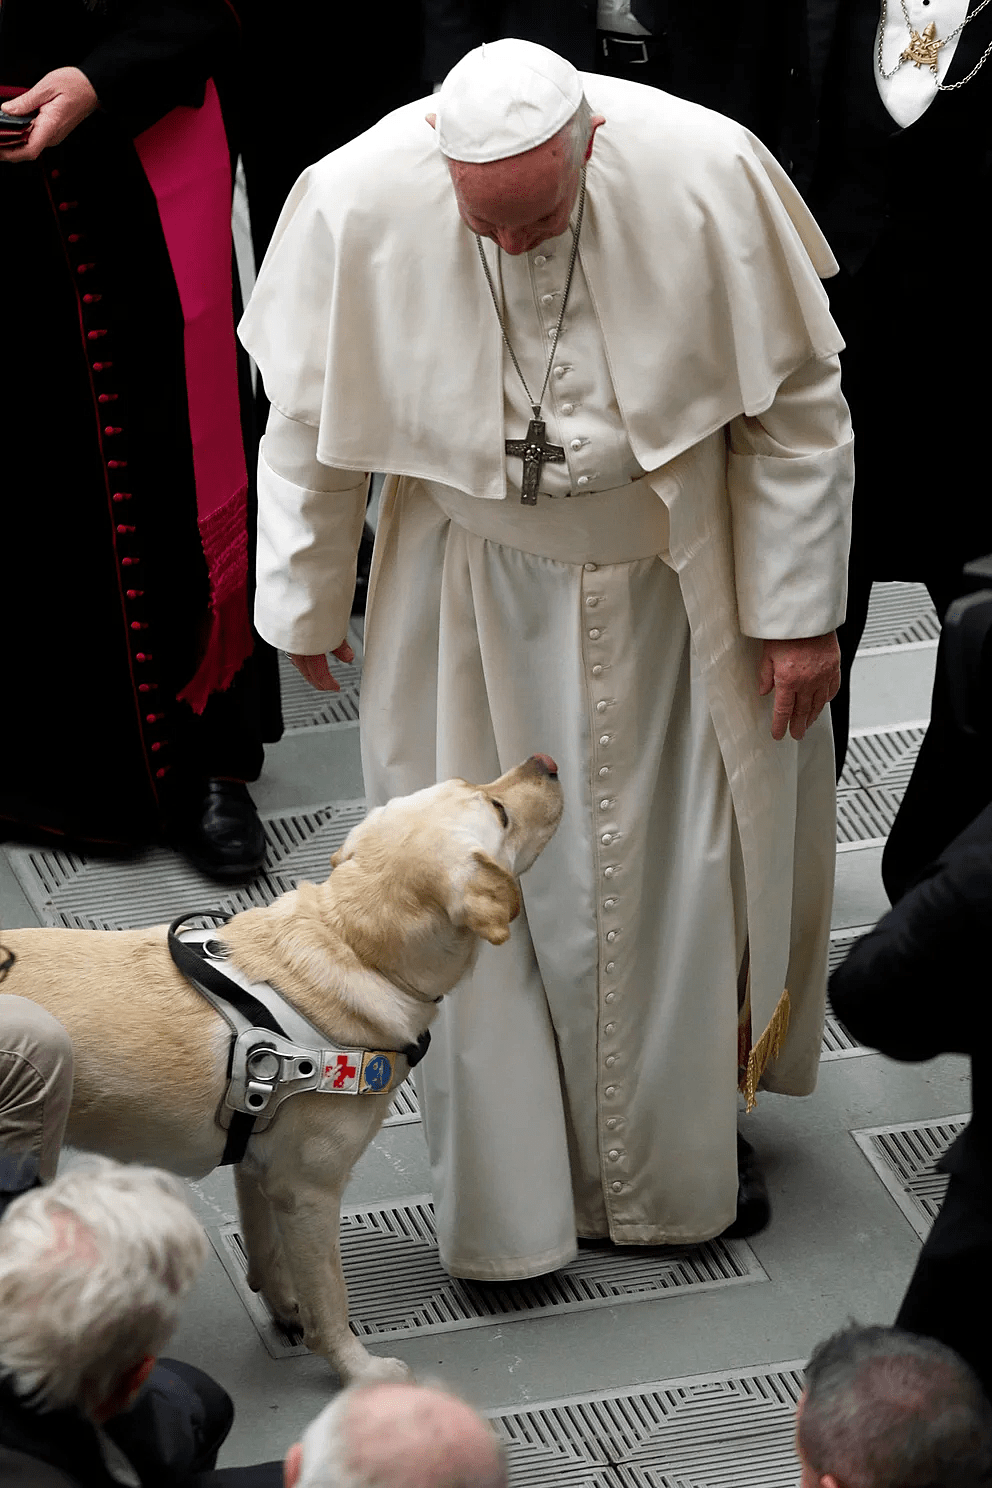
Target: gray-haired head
92,1272
887,1409
397,1436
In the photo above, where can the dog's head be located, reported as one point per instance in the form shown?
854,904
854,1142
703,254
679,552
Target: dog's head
453,851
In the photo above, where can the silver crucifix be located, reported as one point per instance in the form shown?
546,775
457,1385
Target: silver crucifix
535,452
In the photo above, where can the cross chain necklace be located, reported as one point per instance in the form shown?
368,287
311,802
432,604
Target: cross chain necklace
925,47
533,448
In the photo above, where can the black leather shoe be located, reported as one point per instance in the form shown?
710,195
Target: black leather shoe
753,1207
224,838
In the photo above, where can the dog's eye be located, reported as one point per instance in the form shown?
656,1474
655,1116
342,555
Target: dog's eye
502,813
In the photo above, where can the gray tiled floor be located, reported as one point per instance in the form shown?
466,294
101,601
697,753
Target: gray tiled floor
839,1243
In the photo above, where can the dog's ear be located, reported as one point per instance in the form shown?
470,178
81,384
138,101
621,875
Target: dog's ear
492,900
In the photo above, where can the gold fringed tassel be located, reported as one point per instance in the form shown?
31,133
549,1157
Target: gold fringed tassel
768,1047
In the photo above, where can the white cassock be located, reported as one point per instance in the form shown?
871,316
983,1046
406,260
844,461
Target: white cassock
584,1079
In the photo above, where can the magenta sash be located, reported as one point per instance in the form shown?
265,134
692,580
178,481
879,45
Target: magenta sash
185,158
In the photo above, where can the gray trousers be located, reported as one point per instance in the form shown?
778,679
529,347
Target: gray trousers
35,1092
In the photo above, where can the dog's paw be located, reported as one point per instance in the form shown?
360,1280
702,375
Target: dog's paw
284,1308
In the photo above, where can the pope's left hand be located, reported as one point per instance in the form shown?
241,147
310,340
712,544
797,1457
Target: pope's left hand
805,676
63,98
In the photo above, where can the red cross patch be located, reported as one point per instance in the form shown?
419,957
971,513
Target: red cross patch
345,1071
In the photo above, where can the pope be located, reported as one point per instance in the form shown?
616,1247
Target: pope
580,324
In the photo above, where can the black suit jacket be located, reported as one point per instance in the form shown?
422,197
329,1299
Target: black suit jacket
918,985
161,1436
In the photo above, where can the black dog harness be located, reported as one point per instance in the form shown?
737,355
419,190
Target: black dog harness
275,1052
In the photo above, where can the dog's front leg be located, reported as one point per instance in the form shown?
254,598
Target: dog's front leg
300,1167
309,1224
268,1272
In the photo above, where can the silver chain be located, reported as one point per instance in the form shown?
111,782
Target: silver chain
564,301
939,86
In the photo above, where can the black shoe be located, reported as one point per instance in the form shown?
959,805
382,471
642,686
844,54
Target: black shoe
224,838
363,571
753,1207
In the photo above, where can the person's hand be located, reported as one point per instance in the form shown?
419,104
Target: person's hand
317,672
805,675
64,98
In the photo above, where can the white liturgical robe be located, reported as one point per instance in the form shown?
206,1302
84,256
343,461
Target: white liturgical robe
584,1079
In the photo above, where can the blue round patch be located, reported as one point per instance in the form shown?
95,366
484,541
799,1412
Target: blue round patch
378,1072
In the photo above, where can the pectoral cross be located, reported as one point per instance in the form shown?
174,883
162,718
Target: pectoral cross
535,453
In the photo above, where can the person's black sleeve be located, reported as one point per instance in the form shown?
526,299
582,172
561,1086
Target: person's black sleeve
158,54
920,983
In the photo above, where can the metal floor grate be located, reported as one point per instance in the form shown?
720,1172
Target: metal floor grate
152,886
707,1431
304,707
876,773
899,615
904,1157
397,1287
837,1042
884,757
841,942
405,1107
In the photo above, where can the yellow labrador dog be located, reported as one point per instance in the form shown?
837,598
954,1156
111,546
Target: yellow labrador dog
365,957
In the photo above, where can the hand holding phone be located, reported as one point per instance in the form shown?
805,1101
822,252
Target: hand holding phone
53,108
14,127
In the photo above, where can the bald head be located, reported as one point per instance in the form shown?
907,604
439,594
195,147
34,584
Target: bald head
397,1436
523,200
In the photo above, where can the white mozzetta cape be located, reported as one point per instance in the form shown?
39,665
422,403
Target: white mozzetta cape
369,320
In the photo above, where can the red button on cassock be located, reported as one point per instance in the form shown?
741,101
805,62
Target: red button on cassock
122,496
107,398
92,299
129,562
95,336
110,430
116,464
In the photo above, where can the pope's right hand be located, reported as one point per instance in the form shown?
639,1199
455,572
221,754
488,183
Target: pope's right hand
315,668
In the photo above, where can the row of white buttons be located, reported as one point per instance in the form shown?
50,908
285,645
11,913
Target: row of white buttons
547,299
595,633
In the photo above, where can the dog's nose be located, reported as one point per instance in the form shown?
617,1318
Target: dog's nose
546,764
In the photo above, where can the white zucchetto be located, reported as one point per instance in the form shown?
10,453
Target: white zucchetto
503,98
